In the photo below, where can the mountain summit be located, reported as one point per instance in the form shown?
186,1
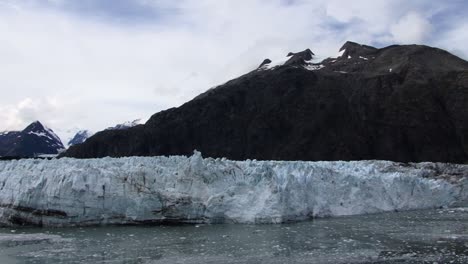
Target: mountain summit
401,103
34,140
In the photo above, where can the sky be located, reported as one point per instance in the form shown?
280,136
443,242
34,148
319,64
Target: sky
91,64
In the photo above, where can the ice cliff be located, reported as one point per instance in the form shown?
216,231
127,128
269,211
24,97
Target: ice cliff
182,189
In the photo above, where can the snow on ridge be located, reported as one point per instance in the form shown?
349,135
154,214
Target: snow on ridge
52,133
280,61
126,125
337,56
314,67
274,63
340,54
316,59
40,134
180,189
49,133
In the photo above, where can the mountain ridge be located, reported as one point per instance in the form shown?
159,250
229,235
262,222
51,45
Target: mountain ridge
401,103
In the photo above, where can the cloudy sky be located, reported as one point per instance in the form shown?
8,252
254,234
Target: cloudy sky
94,63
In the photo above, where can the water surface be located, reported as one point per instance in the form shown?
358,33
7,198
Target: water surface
433,236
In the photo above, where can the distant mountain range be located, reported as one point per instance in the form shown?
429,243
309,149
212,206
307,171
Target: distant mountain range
35,140
401,103
79,137
126,125
75,136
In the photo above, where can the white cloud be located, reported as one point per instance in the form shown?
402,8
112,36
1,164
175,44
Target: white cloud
411,28
101,73
14,116
454,40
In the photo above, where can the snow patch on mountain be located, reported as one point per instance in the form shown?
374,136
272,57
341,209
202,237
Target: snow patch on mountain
314,67
274,63
304,58
180,189
40,134
52,133
340,54
126,125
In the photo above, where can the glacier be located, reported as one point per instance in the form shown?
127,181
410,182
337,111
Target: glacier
180,189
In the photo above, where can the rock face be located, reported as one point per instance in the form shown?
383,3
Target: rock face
178,189
34,140
400,103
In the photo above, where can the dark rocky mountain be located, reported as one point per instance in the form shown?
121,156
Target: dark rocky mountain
79,137
33,141
401,103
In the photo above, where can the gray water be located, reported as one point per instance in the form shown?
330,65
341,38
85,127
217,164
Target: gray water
435,236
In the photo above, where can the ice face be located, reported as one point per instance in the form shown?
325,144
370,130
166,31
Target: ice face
182,189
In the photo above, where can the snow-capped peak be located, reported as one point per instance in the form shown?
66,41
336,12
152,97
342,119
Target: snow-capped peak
35,126
80,137
38,129
126,125
35,140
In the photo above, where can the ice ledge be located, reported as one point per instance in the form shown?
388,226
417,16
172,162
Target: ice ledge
195,190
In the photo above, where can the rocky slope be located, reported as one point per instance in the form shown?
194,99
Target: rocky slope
177,189
401,103
34,140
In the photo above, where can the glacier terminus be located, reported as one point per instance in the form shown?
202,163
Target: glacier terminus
180,189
